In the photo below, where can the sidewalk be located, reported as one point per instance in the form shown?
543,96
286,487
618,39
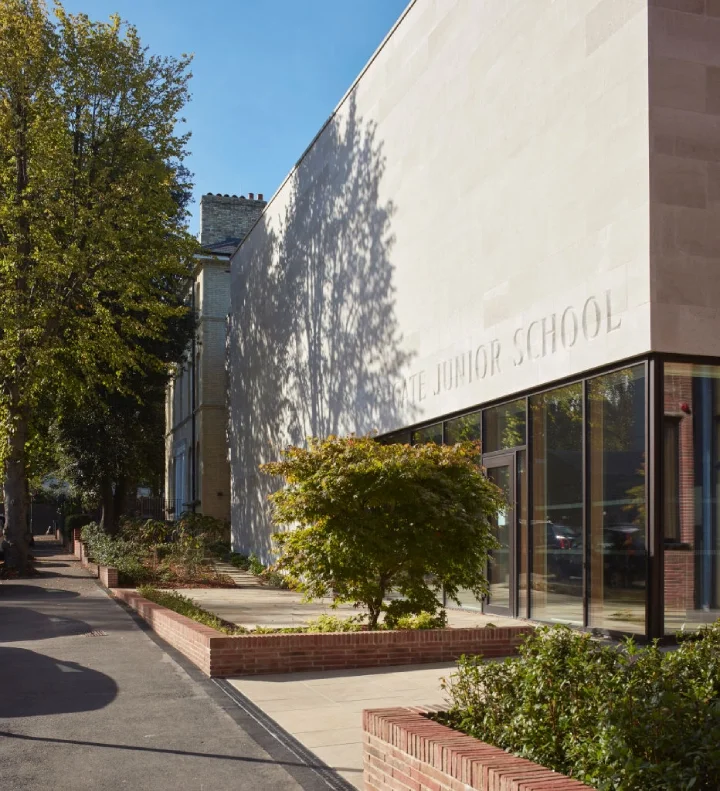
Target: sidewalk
324,710
89,700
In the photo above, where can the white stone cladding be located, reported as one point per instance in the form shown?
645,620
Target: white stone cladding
483,214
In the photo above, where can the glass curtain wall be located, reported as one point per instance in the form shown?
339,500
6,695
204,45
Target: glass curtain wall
691,488
617,510
432,433
504,426
556,420
462,429
580,515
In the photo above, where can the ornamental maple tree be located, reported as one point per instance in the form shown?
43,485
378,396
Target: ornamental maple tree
365,519
92,236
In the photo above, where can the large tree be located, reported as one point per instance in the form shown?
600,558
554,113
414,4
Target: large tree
90,231
114,440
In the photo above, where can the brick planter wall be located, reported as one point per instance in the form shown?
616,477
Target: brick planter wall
77,543
190,638
108,576
403,749
219,655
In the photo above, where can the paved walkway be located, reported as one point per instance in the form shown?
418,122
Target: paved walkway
324,710
90,700
251,605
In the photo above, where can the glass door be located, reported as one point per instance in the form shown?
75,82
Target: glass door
501,568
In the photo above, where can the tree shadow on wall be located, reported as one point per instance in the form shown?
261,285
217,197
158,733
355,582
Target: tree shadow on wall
314,346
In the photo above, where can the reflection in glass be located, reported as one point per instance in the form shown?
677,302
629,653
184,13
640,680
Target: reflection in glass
499,574
616,434
463,429
504,426
396,438
521,506
691,478
432,433
557,507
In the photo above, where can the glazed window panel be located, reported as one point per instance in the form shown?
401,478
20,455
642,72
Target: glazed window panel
691,477
432,433
397,438
557,508
617,502
464,429
504,426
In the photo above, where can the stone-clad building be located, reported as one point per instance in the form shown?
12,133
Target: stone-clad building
509,230
197,475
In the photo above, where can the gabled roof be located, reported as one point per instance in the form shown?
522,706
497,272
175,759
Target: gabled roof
226,247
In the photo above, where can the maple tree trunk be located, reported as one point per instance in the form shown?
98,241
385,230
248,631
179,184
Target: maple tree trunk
17,545
108,518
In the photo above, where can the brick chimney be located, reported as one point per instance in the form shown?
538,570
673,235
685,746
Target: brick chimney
228,217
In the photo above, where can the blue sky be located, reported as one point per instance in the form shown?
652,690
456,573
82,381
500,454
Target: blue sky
267,73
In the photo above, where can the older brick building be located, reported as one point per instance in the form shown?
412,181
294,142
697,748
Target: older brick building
197,475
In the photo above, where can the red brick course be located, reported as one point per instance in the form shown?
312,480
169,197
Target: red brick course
404,750
219,655
108,576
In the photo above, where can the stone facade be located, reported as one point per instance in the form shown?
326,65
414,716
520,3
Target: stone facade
471,222
684,87
196,408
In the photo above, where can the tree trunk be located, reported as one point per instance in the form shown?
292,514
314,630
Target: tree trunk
121,488
17,545
107,496
374,610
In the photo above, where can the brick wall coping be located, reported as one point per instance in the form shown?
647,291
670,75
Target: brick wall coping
404,749
221,655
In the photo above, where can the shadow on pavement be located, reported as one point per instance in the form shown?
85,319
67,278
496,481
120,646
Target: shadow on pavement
22,623
142,749
35,685
9,591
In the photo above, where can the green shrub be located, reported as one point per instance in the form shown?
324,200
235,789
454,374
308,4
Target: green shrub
332,623
363,518
421,620
276,579
116,552
241,562
73,521
627,718
184,606
145,532
255,566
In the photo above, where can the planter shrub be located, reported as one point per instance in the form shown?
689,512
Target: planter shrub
622,718
363,519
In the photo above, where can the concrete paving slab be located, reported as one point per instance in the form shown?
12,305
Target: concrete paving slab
332,727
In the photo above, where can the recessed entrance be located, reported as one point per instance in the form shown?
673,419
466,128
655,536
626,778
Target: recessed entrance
501,566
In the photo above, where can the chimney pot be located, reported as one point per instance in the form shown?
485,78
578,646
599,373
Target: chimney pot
260,196
252,195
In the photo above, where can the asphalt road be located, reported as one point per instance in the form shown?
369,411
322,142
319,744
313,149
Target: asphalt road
89,699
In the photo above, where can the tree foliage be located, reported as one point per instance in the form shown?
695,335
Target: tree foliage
366,519
92,233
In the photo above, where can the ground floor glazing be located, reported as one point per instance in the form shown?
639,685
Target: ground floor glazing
612,484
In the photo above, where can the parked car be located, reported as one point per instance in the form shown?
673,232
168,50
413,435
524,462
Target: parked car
564,552
624,558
